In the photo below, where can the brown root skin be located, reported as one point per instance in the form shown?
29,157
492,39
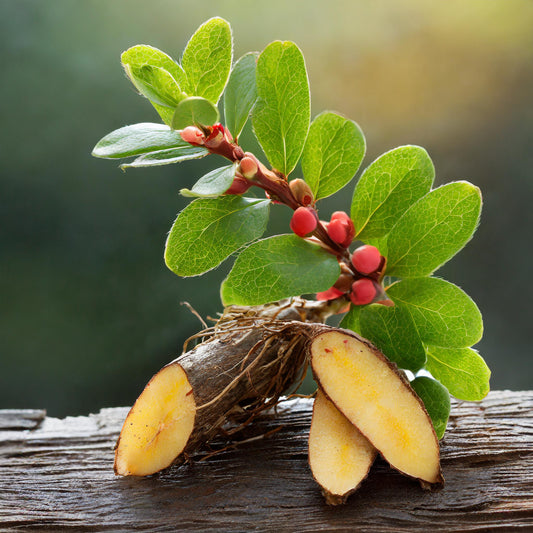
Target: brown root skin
245,362
340,457
352,373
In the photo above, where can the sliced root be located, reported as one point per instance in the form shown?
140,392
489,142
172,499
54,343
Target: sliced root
245,362
339,455
379,401
158,426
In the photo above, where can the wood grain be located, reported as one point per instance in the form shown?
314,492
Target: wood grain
58,475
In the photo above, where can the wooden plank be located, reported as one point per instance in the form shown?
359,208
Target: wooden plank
59,476
21,418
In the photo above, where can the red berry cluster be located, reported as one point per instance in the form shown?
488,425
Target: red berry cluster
361,271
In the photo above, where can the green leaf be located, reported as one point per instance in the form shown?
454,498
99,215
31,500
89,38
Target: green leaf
140,55
332,154
281,114
388,187
156,84
443,314
276,268
213,184
351,319
210,229
207,59
194,111
241,93
137,139
461,370
433,230
167,157
392,330
437,401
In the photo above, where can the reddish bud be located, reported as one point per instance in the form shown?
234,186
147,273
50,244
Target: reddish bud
340,215
216,136
363,291
301,192
341,229
248,167
193,135
330,294
239,186
304,221
387,303
366,259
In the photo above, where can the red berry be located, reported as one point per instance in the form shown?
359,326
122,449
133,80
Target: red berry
340,215
341,232
304,221
330,294
366,259
363,291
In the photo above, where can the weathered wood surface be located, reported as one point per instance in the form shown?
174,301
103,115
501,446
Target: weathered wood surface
58,475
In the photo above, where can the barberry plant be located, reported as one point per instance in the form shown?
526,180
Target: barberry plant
376,263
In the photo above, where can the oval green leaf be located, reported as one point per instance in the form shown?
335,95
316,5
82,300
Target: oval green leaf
276,268
436,400
461,370
167,157
392,330
194,111
433,230
137,139
207,59
140,55
213,184
443,314
281,114
332,154
388,187
210,229
156,84
241,93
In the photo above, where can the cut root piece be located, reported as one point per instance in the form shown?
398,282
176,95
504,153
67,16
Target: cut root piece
339,455
158,426
245,363
379,401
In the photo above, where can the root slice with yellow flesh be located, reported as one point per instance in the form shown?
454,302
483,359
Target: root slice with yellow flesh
367,388
339,455
158,425
243,366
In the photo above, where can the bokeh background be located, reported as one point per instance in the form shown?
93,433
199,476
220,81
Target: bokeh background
88,309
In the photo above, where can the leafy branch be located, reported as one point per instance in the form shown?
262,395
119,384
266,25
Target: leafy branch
403,229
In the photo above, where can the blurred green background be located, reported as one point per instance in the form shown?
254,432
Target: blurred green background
88,309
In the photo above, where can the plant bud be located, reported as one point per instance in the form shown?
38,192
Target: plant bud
239,186
248,167
341,229
193,135
363,291
216,136
301,192
330,294
340,215
366,259
304,221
